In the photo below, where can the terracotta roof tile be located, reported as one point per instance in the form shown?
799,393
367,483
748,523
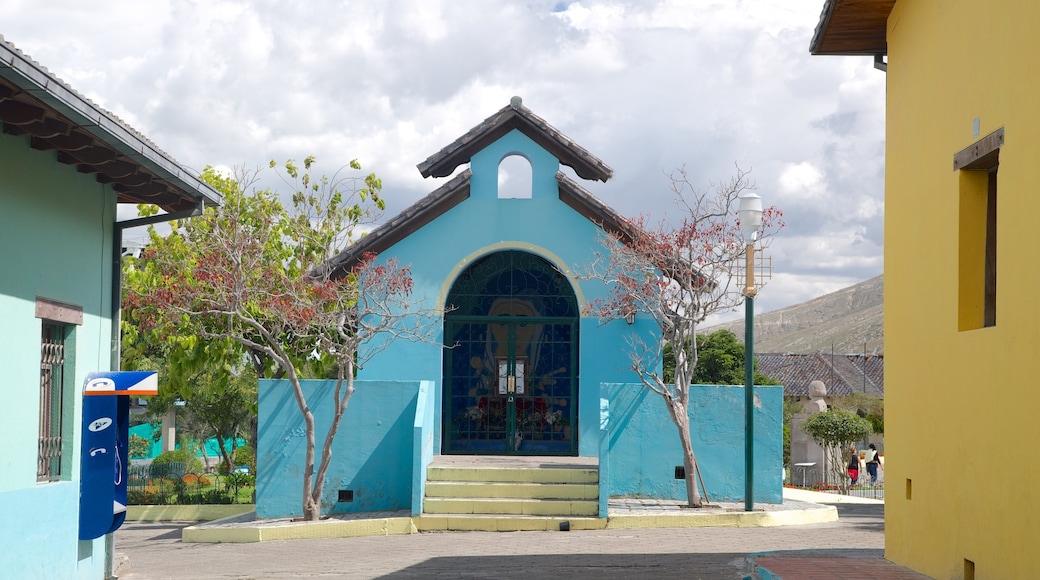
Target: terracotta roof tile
843,374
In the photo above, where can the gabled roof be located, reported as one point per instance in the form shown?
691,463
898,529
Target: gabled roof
403,224
453,193
515,116
588,205
36,104
852,27
842,374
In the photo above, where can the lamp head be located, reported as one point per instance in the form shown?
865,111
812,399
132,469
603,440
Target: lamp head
750,212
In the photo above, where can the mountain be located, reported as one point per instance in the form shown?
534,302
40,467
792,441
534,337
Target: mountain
848,321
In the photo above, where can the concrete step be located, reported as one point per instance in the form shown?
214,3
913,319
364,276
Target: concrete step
476,489
511,498
513,474
511,506
502,523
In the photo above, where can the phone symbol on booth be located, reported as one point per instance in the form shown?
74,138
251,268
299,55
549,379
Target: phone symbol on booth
100,424
95,450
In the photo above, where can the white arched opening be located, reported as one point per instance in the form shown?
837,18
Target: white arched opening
514,177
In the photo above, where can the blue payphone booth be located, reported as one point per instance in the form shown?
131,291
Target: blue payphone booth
103,458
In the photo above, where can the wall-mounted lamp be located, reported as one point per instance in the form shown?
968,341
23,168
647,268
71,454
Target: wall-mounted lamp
630,317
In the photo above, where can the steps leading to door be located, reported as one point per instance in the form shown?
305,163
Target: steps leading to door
511,498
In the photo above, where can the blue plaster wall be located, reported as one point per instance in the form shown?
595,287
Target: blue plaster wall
56,236
372,454
641,444
483,224
423,430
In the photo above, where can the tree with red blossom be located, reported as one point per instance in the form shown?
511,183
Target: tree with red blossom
678,274
250,278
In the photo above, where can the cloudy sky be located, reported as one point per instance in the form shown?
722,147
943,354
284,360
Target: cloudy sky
645,85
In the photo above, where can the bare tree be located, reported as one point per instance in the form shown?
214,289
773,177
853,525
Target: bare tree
678,274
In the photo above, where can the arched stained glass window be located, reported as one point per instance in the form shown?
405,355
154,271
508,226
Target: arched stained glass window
512,276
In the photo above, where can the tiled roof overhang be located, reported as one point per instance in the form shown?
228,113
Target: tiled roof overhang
404,224
852,27
455,192
582,201
515,116
36,104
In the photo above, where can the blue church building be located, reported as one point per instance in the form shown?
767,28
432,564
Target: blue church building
516,367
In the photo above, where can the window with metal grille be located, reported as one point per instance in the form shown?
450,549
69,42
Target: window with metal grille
52,381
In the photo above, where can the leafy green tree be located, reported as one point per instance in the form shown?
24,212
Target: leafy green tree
212,379
869,407
720,361
252,277
837,431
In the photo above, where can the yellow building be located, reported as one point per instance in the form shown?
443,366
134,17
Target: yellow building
962,284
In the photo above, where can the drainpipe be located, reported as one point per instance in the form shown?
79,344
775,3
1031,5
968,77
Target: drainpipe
117,267
117,308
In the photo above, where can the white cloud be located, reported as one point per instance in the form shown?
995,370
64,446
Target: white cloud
802,181
646,85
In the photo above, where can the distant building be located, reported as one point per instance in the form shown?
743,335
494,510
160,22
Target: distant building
65,164
961,308
842,374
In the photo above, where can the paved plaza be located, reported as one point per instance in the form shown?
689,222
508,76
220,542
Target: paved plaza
153,551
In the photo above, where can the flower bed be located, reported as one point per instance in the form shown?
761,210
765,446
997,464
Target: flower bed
149,486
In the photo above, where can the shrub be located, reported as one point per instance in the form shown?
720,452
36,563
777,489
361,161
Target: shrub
197,480
837,431
138,447
191,463
244,456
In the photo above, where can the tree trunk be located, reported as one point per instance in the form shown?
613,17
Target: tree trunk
682,421
342,396
311,510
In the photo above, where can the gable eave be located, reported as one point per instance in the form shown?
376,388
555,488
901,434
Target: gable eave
852,27
515,116
404,224
591,208
36,104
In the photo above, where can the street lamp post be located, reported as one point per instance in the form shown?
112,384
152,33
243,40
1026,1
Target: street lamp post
750,212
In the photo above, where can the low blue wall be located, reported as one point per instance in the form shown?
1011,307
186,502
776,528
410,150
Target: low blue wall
372,454
640,447
423,434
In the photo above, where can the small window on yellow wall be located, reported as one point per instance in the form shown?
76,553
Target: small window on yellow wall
977,239
514,177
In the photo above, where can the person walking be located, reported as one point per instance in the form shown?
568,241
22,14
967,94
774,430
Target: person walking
853,467
872,463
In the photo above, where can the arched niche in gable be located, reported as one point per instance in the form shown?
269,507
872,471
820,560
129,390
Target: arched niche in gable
515,177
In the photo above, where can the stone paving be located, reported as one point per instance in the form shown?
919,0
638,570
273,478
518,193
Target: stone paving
854,545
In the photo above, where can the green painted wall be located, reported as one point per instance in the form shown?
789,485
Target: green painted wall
55,236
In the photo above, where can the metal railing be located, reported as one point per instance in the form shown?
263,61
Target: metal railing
171,484
812,480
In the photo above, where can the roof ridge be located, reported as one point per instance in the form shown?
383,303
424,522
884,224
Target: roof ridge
515,116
